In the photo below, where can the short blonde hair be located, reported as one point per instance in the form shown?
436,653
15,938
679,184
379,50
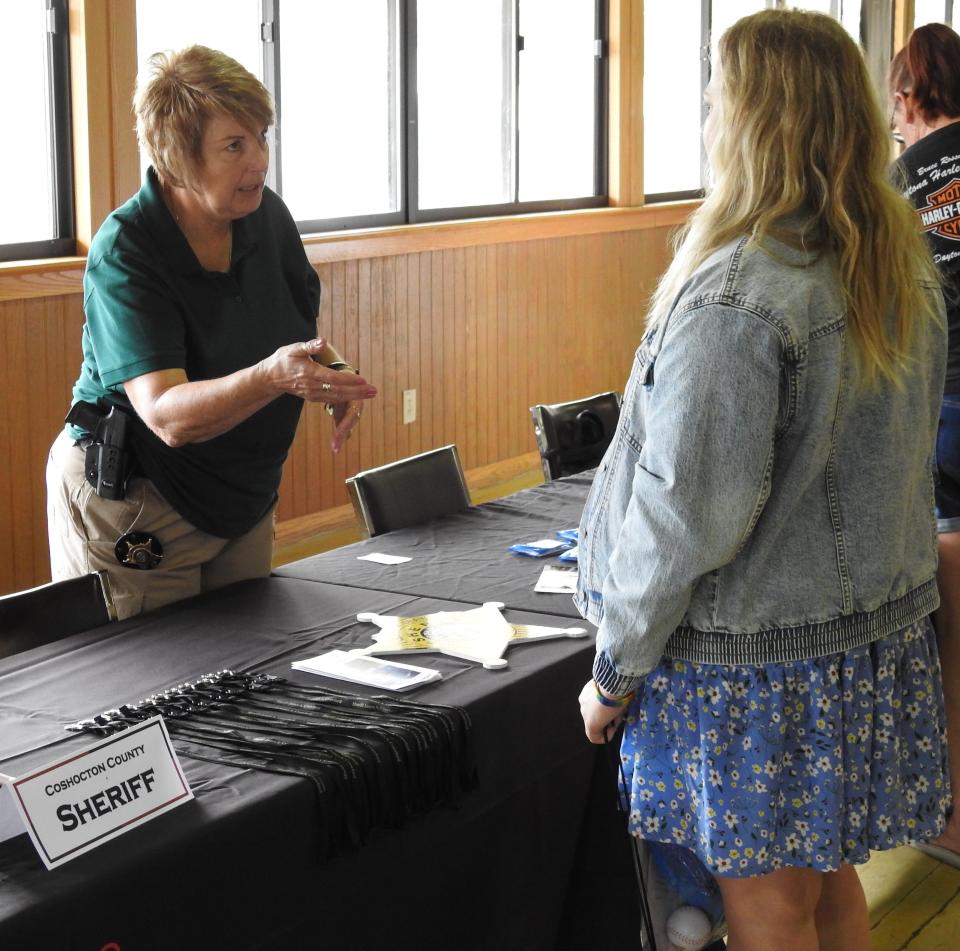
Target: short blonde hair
802,135
179,92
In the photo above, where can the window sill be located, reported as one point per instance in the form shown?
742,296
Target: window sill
53,277
410,239
48,277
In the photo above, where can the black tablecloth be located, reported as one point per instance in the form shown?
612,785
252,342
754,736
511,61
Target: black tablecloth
465,557
240,866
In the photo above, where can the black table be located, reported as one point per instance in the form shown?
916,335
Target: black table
526,861
465,557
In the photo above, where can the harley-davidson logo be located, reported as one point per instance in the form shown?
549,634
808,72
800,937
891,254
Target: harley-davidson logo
942,214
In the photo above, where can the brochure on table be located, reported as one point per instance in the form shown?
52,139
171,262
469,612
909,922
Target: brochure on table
359,668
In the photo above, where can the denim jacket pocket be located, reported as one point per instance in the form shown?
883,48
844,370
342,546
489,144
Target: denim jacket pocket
595,535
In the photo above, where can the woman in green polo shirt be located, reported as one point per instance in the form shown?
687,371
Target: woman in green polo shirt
201,325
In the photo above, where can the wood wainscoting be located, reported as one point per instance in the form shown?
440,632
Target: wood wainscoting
480,330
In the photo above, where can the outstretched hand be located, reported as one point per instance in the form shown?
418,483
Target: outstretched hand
292,369
345,417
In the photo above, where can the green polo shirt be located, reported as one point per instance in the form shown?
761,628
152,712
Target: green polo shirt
150,306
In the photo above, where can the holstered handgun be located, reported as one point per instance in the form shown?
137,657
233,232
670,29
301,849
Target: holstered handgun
107,463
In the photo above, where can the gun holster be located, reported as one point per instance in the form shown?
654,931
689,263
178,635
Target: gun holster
108,462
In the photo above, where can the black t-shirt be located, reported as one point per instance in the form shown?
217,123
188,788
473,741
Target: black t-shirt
932,170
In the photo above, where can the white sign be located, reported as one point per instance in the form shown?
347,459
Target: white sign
71,806
10,822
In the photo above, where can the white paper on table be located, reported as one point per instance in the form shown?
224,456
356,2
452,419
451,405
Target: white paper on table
555,579
358,668
382,559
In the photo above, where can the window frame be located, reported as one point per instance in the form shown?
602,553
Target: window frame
405,46
57,61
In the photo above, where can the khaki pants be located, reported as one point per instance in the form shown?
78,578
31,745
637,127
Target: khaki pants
84,529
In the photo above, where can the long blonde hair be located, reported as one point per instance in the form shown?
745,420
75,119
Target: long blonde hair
801,135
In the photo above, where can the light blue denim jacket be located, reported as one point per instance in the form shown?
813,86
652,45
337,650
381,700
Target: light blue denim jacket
756,504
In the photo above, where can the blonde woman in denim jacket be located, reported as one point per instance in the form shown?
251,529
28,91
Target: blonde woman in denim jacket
758,550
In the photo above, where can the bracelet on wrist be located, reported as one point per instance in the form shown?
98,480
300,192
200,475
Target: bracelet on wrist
614,701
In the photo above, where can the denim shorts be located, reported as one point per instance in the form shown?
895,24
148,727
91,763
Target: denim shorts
947,494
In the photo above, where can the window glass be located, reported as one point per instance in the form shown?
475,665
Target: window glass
674,79
557,101
339,153
492,125
817,6
850,14
846,11
725,14
465,104
672,96
26,165
231,26
929,11
673,84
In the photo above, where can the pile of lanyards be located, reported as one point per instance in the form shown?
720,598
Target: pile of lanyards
374,761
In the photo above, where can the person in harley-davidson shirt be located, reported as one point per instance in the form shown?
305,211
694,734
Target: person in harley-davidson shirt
924,84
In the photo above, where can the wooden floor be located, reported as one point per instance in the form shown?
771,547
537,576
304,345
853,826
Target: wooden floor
914,900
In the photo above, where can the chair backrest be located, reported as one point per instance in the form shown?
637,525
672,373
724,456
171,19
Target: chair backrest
51,611
574,436
409,491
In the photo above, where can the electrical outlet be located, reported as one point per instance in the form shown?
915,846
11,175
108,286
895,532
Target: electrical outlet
409,406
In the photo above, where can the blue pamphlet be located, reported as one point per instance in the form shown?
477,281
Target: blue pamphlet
541,548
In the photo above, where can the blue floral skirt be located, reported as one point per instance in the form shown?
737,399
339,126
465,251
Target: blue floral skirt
809,764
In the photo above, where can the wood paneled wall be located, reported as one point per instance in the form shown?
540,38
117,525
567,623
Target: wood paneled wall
481,332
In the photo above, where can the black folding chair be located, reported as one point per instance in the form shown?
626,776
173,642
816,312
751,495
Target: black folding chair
409,491
574,436
46,613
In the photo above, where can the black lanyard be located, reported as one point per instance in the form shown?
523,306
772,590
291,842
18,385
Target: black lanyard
373,761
